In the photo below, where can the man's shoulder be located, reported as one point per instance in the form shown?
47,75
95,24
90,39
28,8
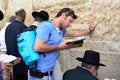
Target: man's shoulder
78,73
70,71
13,23
47,22
17,24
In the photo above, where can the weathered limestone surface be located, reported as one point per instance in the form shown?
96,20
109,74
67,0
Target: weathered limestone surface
104,39
109,56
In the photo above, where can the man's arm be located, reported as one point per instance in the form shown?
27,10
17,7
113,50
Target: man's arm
42,46
74,32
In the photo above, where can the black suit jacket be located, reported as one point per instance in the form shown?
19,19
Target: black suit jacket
78,74
12,30
11,33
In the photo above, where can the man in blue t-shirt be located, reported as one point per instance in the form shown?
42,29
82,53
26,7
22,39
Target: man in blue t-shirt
49,41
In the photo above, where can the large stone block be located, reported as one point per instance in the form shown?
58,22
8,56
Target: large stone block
110,59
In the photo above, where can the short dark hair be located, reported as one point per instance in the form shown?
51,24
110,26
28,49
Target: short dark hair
19,12
12,18
68,12
38,19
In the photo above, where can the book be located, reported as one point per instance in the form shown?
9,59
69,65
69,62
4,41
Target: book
10,59
77,41
7,58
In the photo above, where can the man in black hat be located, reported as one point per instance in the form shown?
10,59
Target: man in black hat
89,67
39,17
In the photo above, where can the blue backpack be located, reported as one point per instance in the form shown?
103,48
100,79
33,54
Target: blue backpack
25,42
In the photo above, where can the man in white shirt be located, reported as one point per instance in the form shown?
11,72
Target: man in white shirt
4,67
2,35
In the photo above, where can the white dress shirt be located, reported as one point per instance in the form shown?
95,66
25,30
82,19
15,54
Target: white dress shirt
2,37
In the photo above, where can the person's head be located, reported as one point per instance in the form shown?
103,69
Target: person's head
1,15
92,68
66,16
91,61
20,14
40,16
12,18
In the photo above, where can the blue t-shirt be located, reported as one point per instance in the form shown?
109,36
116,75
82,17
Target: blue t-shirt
47,31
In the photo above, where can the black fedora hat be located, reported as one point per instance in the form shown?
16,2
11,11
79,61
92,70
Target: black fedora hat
42,14
91,57
1,15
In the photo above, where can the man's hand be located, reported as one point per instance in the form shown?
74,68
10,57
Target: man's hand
63,45
92,25
4,65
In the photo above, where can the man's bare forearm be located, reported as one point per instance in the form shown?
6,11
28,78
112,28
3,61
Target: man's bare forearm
75,32
46,47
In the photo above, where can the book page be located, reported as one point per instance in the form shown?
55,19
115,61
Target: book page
75,40
7,58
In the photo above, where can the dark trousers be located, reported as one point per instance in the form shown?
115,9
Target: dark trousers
20,71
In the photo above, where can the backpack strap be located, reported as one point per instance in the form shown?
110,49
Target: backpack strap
31,28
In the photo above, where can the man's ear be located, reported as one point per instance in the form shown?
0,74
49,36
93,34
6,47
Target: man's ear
94,68
63,15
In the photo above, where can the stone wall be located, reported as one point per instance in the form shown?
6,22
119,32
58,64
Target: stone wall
105,38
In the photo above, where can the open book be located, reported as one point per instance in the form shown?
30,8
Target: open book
76,40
